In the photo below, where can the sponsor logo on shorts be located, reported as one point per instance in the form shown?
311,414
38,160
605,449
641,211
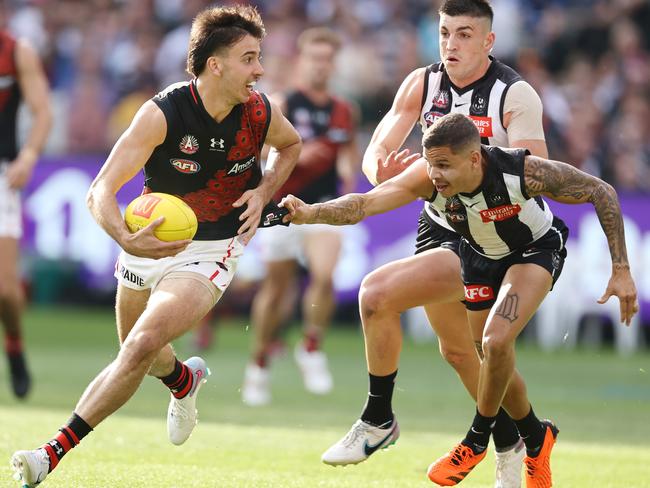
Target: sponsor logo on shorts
241,167
483,124
497,214
189,144
131,277
185,166
145,206
478,293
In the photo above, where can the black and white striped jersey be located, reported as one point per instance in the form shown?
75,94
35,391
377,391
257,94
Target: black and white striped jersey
499,217
482,101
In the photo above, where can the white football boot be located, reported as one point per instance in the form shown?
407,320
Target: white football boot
256,390
30,467
182,414
509,463
315,372
360,442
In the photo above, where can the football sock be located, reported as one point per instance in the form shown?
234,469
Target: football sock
478,436
262,359
68,437
379,410
180,380
312,341
504,434
532,432
13,344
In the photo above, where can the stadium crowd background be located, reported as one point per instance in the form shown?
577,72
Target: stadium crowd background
589,60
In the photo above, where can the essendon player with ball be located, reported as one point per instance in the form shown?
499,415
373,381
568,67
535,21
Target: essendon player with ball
201,141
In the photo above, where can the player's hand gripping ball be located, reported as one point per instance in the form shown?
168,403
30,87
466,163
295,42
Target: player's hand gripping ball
180,220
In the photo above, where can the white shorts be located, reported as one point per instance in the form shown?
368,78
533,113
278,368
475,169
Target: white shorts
11,223
280,243
215,260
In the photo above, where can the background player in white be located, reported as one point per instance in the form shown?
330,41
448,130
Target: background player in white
492,197
23,79
469,81
328,166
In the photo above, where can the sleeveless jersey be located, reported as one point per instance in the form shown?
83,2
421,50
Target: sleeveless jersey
206,163
499,217
9,97
482,101
314,178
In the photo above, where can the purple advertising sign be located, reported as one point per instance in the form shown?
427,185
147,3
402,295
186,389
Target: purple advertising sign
58,226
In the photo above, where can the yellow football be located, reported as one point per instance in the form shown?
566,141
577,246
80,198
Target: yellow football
180,220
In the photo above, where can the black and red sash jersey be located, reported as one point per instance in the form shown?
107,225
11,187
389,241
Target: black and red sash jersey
9,97
208,164
315,177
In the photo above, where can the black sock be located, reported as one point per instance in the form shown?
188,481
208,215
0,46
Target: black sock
68,437
180,380
478,436
504,433
379,410
532,432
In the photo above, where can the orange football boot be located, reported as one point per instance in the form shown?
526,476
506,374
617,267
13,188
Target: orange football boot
452,468
538,468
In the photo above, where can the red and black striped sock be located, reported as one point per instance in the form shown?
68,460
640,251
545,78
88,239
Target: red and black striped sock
68,437
13,344
180,381
312,341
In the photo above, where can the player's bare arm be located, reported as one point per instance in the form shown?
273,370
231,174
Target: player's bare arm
382,160
127,158
285,147
349,209
566,184
35,92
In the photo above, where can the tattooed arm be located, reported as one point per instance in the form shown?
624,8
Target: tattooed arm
348,209
564,183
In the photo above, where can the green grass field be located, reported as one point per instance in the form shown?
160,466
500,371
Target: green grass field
600,401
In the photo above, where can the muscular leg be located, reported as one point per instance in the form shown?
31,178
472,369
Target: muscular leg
270,308
522,291
322,251
172,309
11,293
427,278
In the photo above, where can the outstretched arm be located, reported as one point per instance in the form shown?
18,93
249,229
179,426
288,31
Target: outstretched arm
354,207
564,183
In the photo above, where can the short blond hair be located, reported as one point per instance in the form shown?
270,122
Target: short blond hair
317,35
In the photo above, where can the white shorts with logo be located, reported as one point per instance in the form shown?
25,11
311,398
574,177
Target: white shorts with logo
11,224
280,243
216,260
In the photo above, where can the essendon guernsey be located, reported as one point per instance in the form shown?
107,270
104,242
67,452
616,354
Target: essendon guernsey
208,164
325,128
9,97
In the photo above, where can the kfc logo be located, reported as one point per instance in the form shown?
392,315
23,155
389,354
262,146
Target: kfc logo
478,293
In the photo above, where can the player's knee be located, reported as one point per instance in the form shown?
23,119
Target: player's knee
459,359
322,283
141,347
496,345
372,297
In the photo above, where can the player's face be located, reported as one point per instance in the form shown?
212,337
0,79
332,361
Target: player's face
242,68
465,43
317,63
453,173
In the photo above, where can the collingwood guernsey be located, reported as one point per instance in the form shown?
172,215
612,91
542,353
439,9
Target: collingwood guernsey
499,217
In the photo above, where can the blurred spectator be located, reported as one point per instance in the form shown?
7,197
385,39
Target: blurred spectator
588,59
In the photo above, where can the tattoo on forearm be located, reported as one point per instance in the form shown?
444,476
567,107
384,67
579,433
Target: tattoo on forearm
348,209
570,185
479,348
509,307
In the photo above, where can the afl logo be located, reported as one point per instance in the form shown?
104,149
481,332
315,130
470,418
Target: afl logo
189,144
185,166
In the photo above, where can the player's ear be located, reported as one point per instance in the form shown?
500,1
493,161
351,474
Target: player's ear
215,65
488,43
